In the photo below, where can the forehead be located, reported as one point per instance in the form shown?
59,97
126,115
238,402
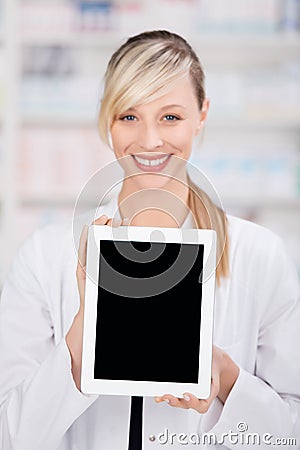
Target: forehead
180,92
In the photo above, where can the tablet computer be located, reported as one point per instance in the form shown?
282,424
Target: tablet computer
148,314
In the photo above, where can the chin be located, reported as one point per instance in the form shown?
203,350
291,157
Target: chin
152,181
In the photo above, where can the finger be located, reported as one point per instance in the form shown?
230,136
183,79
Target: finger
171,400
83,246
203,405
215,385
159,399
115,222
190,401
102,220
215,379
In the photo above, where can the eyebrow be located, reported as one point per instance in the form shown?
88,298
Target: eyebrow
173,106
164,107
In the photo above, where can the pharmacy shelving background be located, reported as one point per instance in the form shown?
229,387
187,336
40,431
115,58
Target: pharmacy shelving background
53,55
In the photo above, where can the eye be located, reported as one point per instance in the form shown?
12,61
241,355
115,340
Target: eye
171,118
128,118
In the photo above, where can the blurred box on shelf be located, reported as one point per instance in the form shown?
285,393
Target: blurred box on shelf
2,190
65,17
130,17
61,61
2,89
174,15
225,92
298,178
60,99
234,16
1,18
54,164
264,96
273,93
290,21
184,16
47,17
47,61
95,15
280,176
258,178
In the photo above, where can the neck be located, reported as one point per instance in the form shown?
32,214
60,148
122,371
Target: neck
163,207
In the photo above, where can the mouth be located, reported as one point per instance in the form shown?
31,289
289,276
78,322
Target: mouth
154,163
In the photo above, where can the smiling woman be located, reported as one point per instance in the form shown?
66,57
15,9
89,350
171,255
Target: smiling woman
152,126
155,141
153,107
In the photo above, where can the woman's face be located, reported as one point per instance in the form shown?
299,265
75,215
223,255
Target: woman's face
153,141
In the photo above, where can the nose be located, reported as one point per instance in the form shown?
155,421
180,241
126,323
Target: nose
150,137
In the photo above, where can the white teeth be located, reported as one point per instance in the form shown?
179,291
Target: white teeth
151,162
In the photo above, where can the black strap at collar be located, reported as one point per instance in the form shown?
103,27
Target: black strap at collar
136,424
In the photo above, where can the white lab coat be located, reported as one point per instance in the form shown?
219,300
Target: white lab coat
257,321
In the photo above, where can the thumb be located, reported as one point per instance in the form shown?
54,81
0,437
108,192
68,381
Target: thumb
83,247
81,262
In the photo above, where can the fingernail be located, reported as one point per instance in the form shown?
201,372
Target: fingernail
166,400
186,398
116,223
125,221
84,232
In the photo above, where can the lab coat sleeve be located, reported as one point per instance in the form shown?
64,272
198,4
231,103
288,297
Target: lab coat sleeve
267,402
38,397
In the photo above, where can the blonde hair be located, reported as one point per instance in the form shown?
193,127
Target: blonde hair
140,71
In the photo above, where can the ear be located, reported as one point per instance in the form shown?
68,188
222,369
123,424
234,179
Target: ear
203,114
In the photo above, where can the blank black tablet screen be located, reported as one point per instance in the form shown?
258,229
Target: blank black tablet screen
149,311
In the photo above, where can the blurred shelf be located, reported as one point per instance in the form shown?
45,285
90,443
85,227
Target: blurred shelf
244,51
49,201
233,122
280,41
262,203
248,122
40,121
285,44
94,39
238,201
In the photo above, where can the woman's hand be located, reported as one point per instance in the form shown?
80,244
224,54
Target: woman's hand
74,335
224,375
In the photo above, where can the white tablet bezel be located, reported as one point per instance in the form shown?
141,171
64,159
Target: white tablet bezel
89,384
